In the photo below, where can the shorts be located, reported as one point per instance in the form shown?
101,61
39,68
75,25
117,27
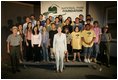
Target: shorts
76,50
87,50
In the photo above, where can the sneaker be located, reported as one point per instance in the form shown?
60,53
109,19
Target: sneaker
79,60
89,61
95,60
85,60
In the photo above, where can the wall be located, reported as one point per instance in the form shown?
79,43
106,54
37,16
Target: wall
97,11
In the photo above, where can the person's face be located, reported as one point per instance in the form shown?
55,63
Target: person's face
38,22
59,30
41,17
44,29
50,17
105,30
96,24
32,17
35,29
57,20
14,31
27,19
81,17
20,27
76,29
53,26
87,27
88,22
29,25
48,21
67,21
76,20
60,17
88,17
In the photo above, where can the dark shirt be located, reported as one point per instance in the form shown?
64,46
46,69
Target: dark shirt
51,36
70,28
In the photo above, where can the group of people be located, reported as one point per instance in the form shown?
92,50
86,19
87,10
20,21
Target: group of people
54,39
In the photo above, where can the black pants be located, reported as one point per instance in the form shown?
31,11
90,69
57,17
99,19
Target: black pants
105,48
29,54
37,54
14,55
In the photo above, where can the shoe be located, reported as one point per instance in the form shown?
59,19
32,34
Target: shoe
100,69
57,71
89,61
95,60
85,60
67,60
79,60
73,60
61,71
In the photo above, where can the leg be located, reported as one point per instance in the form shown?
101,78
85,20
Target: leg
74,56
43,48
79,57
57,60
61,56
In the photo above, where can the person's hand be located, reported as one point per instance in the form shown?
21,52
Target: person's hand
32,45
65,52
27,44
21,50
39,45
8,51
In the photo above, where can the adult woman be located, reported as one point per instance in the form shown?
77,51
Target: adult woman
28,32
59,48
36,43
45,43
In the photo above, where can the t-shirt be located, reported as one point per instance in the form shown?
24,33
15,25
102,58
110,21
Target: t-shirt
97,31
76,40
14,40
88,35
51,36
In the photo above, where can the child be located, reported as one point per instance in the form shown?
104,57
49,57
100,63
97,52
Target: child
68,41
88,37
76,43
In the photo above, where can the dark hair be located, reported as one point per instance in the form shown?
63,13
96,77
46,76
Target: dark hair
88,15
52,24
76,27
105,28
70,19
28,24
67,29
95,22
48,19
32,15
88,20
33,30
81,15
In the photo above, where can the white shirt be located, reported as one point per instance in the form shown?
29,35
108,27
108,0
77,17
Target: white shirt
36,39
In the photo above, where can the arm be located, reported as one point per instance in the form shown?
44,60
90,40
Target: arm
54,43
32,40
65,43
40,39
8,47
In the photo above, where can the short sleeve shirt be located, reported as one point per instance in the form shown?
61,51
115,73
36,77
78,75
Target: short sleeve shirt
14,40
88,35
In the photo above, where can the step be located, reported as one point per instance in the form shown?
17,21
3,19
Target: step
53,63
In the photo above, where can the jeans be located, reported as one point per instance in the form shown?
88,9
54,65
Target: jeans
45,52
95,50
87,51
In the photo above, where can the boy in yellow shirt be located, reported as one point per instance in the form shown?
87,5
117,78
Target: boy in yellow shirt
88,37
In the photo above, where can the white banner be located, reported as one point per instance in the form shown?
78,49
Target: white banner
65,8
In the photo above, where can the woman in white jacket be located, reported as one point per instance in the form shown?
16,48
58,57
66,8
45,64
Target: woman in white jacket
60,48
